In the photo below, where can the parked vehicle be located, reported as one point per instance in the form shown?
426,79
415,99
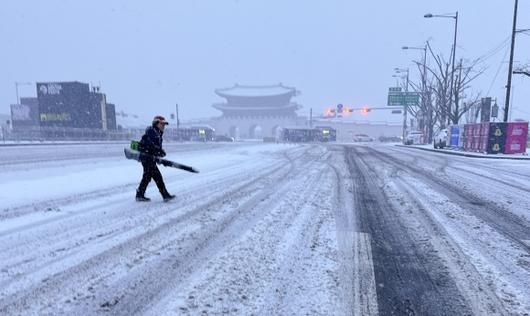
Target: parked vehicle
390,139
362,138
440,139
414,138
222,138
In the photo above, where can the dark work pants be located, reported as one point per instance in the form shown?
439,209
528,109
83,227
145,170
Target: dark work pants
151,172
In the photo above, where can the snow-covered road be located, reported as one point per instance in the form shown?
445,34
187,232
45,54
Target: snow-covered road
264,229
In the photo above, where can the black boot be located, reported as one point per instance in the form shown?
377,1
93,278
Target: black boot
140,197
167,197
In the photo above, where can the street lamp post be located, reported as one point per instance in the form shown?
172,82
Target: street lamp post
405,108
402,70
451,92
423,78
424,49
16,88
178,121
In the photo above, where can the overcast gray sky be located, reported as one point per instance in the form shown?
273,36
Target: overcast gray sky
147,55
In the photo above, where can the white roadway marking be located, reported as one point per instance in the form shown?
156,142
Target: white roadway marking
364,288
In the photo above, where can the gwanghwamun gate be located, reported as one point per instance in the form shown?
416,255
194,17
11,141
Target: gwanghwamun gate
256,112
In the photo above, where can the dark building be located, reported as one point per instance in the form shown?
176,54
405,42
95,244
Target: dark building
98,109
111,117
73,105
64,104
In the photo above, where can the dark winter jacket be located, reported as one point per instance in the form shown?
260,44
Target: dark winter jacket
151,142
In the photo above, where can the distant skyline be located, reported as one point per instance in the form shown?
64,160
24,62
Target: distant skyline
149,56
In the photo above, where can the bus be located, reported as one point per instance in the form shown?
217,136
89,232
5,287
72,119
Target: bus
194,133
306,135
325,134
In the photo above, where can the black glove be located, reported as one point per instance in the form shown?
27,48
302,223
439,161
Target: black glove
166,163
162,153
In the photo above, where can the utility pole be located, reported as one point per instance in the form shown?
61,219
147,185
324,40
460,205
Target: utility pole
310,117
406,106
16,89
177,113
452,93
510,67
424,94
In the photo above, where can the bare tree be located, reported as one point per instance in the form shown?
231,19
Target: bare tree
464,77
441,87
439,104
424,112
447,107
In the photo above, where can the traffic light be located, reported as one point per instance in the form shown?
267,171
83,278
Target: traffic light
172,116
366,109
329,112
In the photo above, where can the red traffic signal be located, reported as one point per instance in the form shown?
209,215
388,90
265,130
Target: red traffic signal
329,112
366,109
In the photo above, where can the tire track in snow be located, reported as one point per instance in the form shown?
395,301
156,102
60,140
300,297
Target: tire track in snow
482,260
356,279
510,225
410,278
45,247
247,277
464,251
58,284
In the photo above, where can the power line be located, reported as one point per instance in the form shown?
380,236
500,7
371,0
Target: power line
498,70
495,50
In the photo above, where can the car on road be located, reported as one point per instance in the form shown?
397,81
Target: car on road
414,138
362,138
222,138
390,139
440,139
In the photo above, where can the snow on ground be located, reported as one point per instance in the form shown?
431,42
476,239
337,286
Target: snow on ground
82,245
474,154
475,214
264,229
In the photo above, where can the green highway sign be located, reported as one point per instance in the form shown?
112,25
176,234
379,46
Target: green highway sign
412,98
395,99
398,98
